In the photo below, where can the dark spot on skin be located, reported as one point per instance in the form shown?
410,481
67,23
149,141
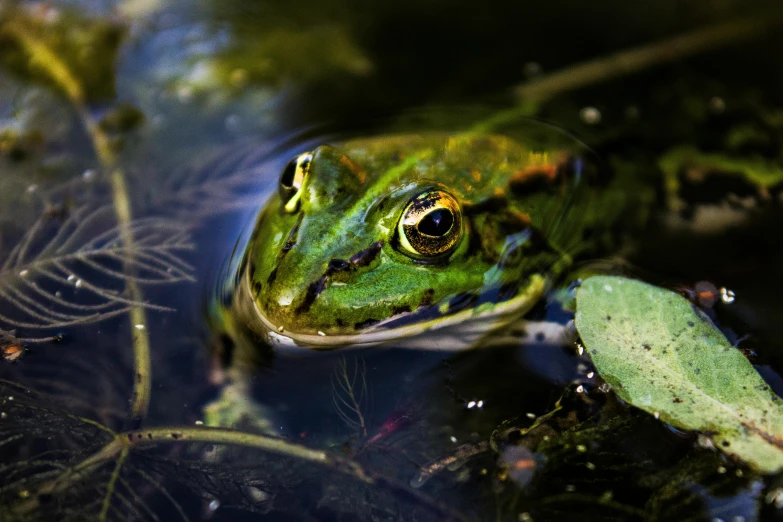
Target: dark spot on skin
427,298
540,337
725,444
691,324
365,324
138,378
149,435
175,436
270,279
292,236
130,437
366,256
647,347
313,291
401,310
608,317
697,371
677,400
338,265
340,323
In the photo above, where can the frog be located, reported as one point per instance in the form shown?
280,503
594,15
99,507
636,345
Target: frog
422,241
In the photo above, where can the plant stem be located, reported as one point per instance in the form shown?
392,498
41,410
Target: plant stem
630,61
44,59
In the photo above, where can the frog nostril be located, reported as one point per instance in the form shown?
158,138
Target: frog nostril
338,265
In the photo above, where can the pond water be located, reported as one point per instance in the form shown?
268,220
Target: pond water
175,119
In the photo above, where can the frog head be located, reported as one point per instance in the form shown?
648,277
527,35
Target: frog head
373,240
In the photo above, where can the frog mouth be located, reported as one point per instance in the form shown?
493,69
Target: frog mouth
445,332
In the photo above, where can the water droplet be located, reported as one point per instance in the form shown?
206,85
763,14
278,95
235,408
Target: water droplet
78,283
88,175
717,104
480,404
58,294
10,397
590,375
721,470
471,404
23,273
581,448
280,328
453,439
580,349
321,333
239,78
32,188
71,277
580,389
727,296
185,94
532,69
232,122
590,115
657,415
705,442
139,326
199,423
608,288
531,416
214,504
775,497
3,415
256,494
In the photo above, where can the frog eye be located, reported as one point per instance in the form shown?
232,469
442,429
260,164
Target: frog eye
292,179
431,225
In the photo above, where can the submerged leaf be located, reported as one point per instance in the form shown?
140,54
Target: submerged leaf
662,355
72,269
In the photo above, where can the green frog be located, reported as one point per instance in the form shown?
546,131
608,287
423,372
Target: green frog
420,241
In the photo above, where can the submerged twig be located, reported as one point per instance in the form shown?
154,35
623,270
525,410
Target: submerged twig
530,94
639,58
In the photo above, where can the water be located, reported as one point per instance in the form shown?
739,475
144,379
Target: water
211,101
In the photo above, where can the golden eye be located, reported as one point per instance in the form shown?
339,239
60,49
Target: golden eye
431,225
292,179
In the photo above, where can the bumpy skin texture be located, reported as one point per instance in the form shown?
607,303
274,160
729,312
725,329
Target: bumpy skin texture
336,266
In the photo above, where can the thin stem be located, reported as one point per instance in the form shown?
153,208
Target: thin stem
44,59
630,61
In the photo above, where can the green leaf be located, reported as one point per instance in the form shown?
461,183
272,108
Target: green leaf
665,357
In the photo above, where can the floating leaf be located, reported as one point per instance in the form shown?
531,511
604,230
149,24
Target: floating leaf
667,358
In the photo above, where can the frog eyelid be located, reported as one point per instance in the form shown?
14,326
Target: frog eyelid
292,179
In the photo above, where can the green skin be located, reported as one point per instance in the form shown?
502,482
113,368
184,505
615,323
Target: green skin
353,198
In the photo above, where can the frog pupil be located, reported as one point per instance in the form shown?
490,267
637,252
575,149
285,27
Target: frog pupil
437,223
287,176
